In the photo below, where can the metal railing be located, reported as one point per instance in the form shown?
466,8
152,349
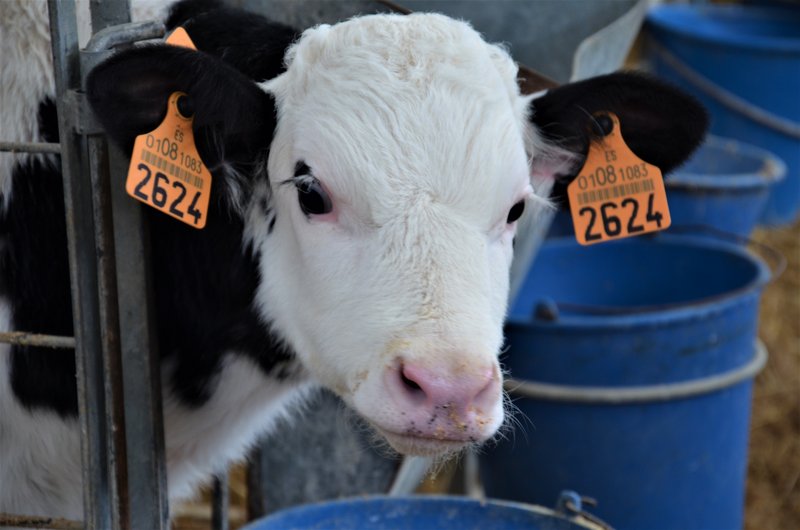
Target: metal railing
117,361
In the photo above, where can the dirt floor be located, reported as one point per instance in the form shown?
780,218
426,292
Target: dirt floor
773,485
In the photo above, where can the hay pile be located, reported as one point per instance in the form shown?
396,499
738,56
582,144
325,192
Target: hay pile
773,487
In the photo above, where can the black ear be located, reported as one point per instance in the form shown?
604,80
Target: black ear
234,119
661,124
249,42
185,10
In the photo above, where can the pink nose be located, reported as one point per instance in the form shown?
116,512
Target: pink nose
441,403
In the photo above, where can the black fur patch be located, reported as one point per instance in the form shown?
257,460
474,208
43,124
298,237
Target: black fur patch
248,42
182,12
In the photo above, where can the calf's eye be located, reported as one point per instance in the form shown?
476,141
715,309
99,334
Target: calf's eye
515,212
314,200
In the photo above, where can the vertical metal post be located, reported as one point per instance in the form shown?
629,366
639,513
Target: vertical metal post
219,502
255,481
140,359
109,332
103,15
83,272
133,367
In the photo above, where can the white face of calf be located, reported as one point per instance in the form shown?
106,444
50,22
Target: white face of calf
396,166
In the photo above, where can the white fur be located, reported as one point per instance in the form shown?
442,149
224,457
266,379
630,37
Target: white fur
201,441
417,128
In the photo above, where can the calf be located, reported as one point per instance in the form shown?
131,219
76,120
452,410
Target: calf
367,182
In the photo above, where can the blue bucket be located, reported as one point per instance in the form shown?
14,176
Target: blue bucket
633,361
724,186
420,513
743,63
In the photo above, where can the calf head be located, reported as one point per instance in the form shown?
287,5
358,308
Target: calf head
382,201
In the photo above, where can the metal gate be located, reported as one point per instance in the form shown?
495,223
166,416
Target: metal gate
117,360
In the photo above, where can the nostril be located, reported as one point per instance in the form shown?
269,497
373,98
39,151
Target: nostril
418,386
409,383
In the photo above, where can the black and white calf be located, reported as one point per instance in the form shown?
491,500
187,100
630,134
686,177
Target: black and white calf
368,177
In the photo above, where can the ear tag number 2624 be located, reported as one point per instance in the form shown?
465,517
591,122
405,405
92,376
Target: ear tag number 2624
166,171
616,194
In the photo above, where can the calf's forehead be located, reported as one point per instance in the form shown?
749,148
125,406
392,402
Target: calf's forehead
407,119
451,147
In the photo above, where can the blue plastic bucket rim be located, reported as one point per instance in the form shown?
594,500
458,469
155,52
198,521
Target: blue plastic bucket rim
446,501
772,170
688,21
607,317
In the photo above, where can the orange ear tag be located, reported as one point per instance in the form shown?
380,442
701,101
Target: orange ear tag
166,171
179,37
616,194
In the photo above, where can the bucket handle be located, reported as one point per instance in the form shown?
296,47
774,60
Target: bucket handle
570,504
725,97
639,394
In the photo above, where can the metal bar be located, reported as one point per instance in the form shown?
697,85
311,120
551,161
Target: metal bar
29,521
132,361
107,38
254,479
30,147
105,13
23,338
472,483
219,503
411,473
397,8
109,331
530,81
83,273
140,359
125,283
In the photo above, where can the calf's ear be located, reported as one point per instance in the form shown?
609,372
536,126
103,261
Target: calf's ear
661,124
249,42
234,119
